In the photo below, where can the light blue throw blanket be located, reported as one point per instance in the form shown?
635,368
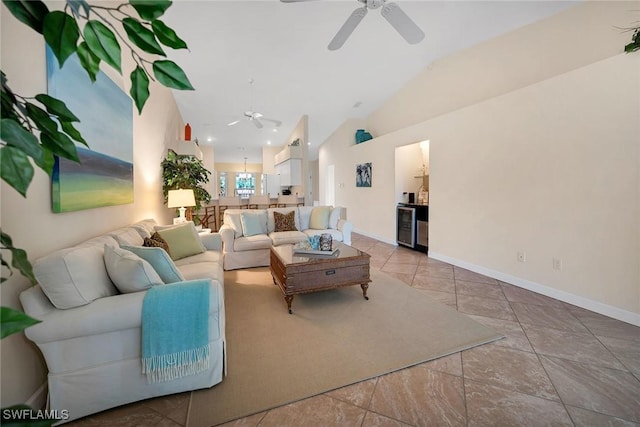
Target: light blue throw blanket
175,330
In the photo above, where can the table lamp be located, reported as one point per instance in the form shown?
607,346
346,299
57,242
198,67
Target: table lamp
181,199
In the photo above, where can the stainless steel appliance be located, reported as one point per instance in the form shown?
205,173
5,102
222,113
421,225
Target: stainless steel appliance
412,226
405,229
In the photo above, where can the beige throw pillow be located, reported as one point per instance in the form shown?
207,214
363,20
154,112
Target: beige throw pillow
320,218
128,271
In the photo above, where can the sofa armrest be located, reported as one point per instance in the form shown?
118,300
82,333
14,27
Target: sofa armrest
228,235
108,314
212,241
346,228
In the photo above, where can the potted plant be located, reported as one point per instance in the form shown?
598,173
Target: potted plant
186,172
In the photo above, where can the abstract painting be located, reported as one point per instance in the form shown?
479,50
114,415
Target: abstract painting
363,175
104,176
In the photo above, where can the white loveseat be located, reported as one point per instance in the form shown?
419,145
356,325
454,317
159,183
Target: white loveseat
243,249
90,335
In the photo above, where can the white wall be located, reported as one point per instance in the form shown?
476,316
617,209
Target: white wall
30,221
550,168
409,160
580,35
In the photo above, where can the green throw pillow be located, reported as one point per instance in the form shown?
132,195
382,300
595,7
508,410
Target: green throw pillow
320,218
160,261
183,241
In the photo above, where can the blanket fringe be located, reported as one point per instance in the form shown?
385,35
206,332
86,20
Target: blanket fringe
172,366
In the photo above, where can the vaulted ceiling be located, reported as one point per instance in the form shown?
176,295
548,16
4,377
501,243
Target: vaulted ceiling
283,48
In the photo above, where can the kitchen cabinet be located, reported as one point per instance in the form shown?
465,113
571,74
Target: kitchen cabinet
290,172
271,185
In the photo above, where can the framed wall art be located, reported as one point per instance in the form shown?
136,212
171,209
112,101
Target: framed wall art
363,175
104,176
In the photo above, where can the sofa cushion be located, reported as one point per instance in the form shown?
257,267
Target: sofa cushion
160,261
287,237
233,219
74,276
271,224
127,236
183,240
128,271
208,256
284,222
320,217
253,222
334,217
146,227
99,242
304,212
203,270
247,243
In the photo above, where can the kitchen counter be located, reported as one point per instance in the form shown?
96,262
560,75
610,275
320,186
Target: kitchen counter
413,205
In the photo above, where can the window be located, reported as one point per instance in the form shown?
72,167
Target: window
223,184
245,185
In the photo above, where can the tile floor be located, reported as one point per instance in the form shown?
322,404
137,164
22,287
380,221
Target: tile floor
558,365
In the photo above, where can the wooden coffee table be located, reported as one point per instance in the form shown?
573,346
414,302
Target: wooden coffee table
301,274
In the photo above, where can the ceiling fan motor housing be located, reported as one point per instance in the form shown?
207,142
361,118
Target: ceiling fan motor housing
373,4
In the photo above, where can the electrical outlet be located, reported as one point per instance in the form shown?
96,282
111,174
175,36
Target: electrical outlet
522,256
557,264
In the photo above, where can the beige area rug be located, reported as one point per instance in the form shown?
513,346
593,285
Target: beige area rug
332,339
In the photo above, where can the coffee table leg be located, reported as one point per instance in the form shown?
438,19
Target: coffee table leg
289,300
364,287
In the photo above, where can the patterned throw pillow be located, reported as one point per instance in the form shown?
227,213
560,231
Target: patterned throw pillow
285,222
156,241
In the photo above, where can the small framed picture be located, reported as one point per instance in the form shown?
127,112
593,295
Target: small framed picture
363,175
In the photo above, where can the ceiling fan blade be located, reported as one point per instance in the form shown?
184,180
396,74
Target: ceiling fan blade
257,123
402,23
277,123
235,122
347,28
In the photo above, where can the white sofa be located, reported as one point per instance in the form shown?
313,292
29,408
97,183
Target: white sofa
90,335
245,251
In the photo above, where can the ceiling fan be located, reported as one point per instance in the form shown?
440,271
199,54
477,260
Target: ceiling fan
390,11
253,116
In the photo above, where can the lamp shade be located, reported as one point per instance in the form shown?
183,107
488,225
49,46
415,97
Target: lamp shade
181,198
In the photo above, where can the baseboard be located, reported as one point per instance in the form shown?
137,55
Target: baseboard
38,400
375,236
586,303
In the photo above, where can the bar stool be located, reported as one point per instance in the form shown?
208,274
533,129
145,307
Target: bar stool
256,202
210,219
225,203
288,200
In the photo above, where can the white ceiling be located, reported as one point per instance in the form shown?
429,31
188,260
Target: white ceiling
283,47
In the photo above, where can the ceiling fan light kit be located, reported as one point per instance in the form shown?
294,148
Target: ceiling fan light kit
253,116
390,11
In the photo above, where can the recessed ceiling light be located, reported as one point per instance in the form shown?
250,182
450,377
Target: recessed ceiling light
209,139
268,142
275,129
308,142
